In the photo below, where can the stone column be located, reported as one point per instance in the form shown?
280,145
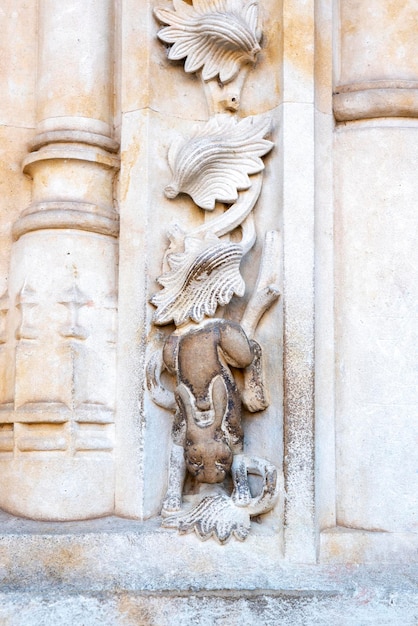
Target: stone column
56,450
376,65
375,98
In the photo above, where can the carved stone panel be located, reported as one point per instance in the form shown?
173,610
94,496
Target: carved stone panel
219,166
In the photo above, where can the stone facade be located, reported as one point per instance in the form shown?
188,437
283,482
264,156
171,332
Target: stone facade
208,306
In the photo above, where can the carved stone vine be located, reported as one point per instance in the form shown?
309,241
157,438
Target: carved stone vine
219,163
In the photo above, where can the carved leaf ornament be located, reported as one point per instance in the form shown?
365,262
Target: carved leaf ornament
215,516
202,277
216,163
215,35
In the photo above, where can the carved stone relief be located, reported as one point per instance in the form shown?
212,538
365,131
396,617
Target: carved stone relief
219,165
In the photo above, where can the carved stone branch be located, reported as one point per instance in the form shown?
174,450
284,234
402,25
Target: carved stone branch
255,395
271,486
160,394
266,290
236,214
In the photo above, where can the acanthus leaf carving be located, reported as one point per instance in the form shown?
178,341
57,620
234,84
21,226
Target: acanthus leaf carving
216,36
222,516
202,277
215,516
216,163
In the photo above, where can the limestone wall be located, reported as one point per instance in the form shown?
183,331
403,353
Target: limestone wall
91,105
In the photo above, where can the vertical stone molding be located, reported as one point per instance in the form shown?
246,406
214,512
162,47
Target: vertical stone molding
57,412
376,67
298,285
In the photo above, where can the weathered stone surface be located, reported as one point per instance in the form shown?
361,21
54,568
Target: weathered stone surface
387,608
335,89
376,306
125,572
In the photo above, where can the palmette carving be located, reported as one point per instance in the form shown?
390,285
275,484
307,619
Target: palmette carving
221,516
221,163
202,277
216,163
216,36
215,516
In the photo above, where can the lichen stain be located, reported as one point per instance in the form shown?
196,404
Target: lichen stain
271,37
141,55
183,97
59,561
133,612
298,29
271,52
349,27
400,12
335,550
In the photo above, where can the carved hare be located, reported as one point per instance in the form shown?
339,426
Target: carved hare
208,418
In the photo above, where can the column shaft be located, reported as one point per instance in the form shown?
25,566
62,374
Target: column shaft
60,326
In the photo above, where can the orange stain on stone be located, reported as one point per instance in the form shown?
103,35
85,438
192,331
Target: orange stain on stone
61,560
135,611
129,159
394,9
298,49
379,40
